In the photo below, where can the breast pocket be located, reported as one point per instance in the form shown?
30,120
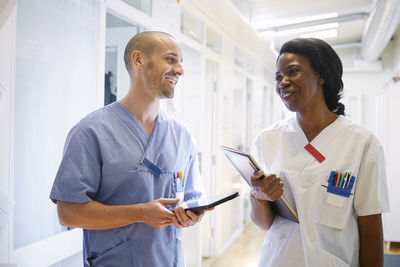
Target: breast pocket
333,210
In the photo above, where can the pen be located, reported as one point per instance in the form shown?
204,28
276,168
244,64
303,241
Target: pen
343,180
337,180
348,179
334,179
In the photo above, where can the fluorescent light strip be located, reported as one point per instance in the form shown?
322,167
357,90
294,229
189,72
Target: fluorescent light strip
281,22
321,34
317,17
309,29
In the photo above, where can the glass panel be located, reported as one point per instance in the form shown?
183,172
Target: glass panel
267,106
111,75
189,94
213,40
239,57
191,27
142,5
251,118
269,76
56,85
250,65
239,111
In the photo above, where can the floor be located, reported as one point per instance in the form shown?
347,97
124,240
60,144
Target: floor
394,248
244,252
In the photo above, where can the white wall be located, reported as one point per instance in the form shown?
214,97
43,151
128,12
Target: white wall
389,136
166,14
7,72
361,86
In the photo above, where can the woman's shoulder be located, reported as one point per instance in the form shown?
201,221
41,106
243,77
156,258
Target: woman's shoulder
278,126
359,131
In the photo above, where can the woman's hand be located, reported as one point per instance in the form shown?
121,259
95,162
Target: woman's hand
270,185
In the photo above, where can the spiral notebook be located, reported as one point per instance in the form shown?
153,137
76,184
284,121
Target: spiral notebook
246,166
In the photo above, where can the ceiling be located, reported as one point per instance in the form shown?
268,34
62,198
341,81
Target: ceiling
279,21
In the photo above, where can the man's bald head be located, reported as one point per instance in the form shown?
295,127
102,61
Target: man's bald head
144,42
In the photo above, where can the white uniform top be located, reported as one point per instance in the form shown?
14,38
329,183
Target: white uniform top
327,234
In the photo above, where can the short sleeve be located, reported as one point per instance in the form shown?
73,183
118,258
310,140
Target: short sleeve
194,185
78,177
371,192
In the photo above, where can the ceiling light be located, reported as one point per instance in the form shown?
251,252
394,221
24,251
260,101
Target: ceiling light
312,18
320,34
308,29
281,22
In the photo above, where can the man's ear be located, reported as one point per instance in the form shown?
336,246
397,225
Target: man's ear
137,58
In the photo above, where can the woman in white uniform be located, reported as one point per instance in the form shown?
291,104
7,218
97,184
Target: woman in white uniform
329,169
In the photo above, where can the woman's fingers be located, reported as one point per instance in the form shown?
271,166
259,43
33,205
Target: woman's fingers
258,175
271,185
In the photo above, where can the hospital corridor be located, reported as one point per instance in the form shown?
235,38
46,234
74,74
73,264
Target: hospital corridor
280,115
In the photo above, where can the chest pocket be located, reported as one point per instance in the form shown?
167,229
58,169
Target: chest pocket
333,210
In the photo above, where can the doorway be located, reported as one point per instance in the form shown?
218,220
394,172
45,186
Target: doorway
116,78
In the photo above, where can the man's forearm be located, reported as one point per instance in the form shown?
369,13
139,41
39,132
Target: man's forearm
97,216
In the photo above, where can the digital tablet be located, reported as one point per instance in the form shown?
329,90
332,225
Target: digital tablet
246,166
197,205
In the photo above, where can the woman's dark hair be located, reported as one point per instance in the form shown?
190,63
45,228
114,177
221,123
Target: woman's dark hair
326,62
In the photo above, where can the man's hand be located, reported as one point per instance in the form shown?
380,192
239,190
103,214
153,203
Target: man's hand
188,218
269,184
156,215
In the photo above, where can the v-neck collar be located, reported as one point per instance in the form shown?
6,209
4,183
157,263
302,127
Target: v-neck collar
325,133
302,157
323,138
130,120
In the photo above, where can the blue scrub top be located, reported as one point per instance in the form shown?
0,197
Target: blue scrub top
101,162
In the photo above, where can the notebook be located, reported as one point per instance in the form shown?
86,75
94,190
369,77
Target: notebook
246,166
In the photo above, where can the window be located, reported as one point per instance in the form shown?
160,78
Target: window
191,26
213,40
239,57
142,5
57,83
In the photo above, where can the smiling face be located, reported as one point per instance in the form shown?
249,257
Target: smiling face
297,83
164,67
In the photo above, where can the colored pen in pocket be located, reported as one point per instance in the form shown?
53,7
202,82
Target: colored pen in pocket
348,180
337,179
341,180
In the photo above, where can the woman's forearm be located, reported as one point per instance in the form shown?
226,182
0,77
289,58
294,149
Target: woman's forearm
261,213
371,240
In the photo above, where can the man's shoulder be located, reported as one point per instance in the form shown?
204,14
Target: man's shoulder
94,118
92,122
176,127
174,122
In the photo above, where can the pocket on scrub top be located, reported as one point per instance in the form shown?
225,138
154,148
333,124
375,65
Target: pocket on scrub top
333,210
121,256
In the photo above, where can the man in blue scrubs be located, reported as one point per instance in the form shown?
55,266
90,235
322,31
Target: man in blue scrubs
124,163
